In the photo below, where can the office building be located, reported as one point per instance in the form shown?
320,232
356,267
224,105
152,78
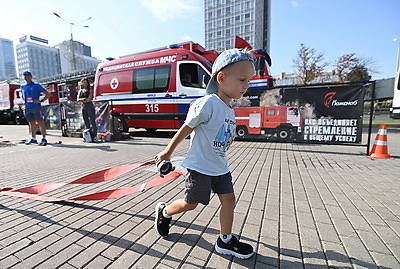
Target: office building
7,60
33,55
44,61
75,56
248,19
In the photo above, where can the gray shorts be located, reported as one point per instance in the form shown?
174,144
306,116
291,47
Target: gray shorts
33,113
198,186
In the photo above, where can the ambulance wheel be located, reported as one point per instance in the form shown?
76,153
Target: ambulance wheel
241,131
119,127
284,133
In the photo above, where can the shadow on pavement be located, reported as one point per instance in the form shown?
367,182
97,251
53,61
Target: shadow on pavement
191,240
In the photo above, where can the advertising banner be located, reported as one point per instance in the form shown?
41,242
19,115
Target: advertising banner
73,120
52,117
329,114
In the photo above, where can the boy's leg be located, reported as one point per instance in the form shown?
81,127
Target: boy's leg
179,206
198,189
226,213
164,214
229,244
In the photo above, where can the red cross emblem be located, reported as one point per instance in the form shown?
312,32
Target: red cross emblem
114,83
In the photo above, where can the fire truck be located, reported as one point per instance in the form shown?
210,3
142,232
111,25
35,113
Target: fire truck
282,121
154,89
57,93
11,103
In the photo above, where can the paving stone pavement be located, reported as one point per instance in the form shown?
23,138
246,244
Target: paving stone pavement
299,205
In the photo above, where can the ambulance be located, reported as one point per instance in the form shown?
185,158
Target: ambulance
154,89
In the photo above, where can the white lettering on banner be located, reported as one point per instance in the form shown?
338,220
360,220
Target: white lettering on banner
333,122
161,60
344,103
330,130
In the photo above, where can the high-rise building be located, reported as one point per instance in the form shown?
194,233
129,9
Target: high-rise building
43,61
248,19
7,60
76,56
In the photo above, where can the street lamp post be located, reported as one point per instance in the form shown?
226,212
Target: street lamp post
72,38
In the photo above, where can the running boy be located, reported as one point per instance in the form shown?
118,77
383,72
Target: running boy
212,121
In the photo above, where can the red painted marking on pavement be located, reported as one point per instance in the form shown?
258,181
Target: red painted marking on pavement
95,177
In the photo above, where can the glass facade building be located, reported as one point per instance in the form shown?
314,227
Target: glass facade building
7,60
248,19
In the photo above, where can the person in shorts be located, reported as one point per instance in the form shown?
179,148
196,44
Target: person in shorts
31,93
211,123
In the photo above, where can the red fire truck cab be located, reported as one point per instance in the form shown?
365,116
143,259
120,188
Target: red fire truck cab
284,121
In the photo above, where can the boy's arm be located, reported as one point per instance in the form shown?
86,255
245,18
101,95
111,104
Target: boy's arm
180,135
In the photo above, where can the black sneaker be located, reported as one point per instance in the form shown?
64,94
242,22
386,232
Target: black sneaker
234,248
161,223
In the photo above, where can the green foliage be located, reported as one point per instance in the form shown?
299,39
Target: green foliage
358,73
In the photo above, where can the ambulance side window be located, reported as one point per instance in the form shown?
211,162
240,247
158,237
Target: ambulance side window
192,75
153,79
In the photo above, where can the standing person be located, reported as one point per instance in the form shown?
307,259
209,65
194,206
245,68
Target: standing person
85,96
211,123
31,93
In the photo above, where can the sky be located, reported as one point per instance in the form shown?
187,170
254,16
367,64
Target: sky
367,28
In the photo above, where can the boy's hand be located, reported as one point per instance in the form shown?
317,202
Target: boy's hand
163,155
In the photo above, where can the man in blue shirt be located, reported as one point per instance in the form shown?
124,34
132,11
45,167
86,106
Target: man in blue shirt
31,92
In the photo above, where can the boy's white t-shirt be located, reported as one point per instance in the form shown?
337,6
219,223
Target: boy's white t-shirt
214,130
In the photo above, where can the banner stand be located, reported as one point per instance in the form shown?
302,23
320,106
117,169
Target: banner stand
326,113
71,119
371,116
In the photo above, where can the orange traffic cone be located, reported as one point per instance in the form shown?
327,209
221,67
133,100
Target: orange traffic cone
380,147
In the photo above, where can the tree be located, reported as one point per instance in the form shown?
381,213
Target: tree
309,64
344,65
351,68
358,73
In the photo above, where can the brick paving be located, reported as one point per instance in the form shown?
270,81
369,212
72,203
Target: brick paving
299,205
